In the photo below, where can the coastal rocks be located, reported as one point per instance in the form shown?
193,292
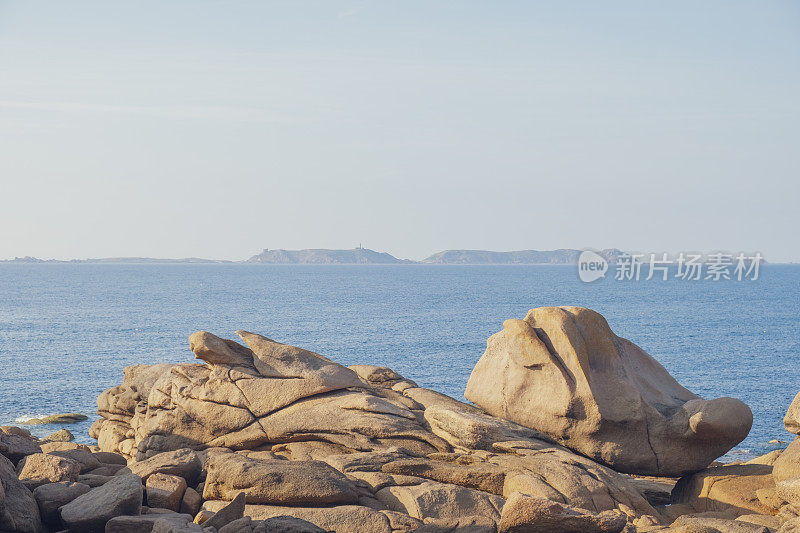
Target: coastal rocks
276,481
563,372
431,499
727,488
51,496
184,463
40,468
165,491
530,514
90,512
281,394
337,446
18,509
16,443
62,435
792,419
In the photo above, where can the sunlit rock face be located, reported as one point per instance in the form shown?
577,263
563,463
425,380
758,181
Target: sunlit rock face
563,372
269,402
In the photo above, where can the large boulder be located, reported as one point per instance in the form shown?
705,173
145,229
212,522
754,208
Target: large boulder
40,468
51,496
18,509
90,512
276,481
562,371
16,443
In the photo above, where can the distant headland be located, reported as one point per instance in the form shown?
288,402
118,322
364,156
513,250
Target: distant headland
364,256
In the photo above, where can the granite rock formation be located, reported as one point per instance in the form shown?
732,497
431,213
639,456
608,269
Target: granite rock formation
563,372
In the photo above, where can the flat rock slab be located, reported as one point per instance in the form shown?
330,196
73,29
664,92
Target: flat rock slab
276,481
431,499
143,523
338,519
90,512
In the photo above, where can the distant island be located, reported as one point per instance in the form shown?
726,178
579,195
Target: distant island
565,256
320,256
363,256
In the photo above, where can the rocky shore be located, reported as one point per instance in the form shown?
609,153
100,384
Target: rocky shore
571,429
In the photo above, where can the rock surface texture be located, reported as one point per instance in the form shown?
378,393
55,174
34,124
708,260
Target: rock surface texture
264,437
562,371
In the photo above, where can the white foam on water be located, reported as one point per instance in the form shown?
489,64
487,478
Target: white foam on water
25,418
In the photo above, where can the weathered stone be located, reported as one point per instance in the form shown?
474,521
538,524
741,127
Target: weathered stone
703,524
110,458
94,480
90,512
184,463
787,466
276,481
529,514
18,509
563,372
165,491
338,519
288,524
212,349
432,499
76,452
143,523
40,468
482,476
191,501
51,496
62,435
729,487
16,443
792,419
227,513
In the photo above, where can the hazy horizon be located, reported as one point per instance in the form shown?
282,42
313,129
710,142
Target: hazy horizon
215,130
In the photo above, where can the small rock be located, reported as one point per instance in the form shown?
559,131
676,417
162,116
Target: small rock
110,458
191,501
90,512
184,463
229,513
40,468
62,435
202,516
165,491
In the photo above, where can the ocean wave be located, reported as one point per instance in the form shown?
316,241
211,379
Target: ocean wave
24,418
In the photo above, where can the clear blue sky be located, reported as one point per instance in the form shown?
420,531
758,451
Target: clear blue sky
216,129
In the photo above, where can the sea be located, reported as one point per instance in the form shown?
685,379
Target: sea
68,330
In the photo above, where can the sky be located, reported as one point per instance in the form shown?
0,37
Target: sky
216,129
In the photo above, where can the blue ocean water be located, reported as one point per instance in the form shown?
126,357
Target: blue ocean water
68,330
